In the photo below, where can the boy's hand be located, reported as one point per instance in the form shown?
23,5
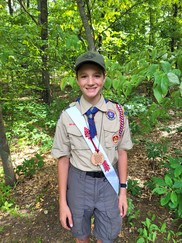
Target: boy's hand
65,217
123,205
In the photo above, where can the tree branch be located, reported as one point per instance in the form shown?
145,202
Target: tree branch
87,27
126,12
32,17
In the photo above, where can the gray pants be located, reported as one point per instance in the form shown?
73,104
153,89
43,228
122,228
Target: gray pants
87,197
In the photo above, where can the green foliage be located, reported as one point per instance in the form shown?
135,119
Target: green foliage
170,187
151,232
155,150
6,200
30,166
5,192
165,77
134,188
132,213
30,122
145,114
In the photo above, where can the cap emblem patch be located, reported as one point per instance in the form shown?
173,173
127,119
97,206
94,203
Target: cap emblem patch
89,55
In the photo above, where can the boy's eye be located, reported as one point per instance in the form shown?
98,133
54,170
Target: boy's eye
83,76
97,75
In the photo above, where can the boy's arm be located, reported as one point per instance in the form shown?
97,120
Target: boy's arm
122,173
64,211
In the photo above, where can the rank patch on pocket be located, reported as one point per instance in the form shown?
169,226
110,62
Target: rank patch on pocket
115,139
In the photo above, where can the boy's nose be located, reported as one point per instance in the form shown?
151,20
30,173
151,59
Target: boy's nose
90,80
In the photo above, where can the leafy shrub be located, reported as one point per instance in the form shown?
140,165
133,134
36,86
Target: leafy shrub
5,192
30,166
171,186
134,188
6,201
132,213
155,151
150,232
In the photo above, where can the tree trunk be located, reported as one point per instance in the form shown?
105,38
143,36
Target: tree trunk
43,22
175,14
87,26
28,3
10,7
152,25
10,178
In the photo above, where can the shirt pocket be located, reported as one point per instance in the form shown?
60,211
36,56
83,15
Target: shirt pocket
111,134
77,140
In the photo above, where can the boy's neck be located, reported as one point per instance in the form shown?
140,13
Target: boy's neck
93,101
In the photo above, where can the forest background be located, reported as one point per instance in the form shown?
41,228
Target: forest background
141,42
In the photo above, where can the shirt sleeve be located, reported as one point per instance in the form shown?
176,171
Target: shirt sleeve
61,144
126,142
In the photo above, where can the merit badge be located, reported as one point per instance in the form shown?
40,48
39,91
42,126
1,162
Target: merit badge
97,158
115,139
110,115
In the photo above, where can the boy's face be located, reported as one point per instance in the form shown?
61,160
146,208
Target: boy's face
91,78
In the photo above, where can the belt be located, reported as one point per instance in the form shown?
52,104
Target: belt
95,174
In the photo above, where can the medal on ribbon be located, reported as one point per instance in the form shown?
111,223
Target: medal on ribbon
97,158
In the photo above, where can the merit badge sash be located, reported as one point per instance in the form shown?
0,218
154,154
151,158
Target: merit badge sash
106,165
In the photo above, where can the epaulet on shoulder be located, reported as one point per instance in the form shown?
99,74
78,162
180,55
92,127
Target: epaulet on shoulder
113,101
70,105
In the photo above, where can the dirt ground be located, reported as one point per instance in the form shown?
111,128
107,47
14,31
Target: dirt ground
37,199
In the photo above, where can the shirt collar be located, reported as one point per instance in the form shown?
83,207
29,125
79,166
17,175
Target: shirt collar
85,105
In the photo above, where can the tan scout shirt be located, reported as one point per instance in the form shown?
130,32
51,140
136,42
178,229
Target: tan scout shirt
68,140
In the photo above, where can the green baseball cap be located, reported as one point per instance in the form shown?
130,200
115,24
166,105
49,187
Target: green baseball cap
90,56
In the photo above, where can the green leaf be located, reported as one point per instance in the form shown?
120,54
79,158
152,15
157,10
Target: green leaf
178,171
177,72
108,83
157,77
127,88
116,84
168,180
173,78
148,222
174,198
159,190
145,232
141,240
154,236
178,184
164,85
163,228
157,94
172,205
160,86
152,69
164,200
159,181
166,66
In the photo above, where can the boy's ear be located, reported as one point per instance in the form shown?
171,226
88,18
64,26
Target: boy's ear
105,76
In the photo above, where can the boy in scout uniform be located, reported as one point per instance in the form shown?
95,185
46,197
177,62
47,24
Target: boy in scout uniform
91,142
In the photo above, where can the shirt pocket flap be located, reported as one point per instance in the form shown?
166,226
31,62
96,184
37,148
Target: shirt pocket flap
77,140
73,130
